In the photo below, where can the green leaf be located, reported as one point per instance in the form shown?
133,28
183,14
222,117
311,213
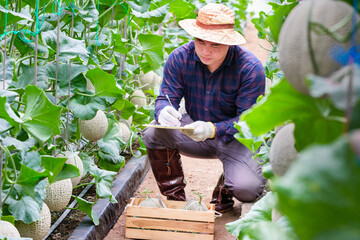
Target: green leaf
29,176
53,165
25,209
153,46
140,6
20,145
86,207
181,8
111,144
12,17
9,70
7,113
157,15
127,109
316,120
87,162
320,192
25,47
85,107
68,171
260,211
269,231
69,47
104,83
41,117
27,77
103,181
89,12
245,137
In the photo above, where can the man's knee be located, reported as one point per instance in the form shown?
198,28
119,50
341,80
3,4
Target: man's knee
247,192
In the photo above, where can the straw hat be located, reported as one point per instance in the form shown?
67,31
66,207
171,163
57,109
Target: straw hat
214,23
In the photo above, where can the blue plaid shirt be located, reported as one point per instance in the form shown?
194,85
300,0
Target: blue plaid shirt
218,97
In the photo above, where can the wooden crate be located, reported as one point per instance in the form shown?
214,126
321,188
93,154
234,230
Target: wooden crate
171,223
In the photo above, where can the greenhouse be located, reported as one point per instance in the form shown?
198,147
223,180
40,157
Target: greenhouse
178,119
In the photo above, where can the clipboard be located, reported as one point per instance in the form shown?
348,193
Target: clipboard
168,127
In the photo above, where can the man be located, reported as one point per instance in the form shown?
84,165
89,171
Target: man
218,80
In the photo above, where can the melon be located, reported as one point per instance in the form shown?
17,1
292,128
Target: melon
156,80
355,142
149,80
125,131
8,230
282,150
196,205
74,159
58,194
96,128
36,230
138,98
150,202
89,85
294,46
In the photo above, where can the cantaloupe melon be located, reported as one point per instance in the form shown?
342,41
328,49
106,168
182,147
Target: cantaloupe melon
125,131
38,229
150,202
96,128
8,230
58,194
294,46
156,80
149,80
282,150
138,98
74,159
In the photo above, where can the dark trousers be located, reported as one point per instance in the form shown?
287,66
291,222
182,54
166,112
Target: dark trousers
243,176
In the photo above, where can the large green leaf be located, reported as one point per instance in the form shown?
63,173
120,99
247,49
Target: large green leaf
85,107
77,80
111,144
320,192
7,113
25,209
181,8
9,70
69,47
28,178
27,77
157,15
86,207
104,83
245,137
12,17
41,117
315,119
152,47
20,145
89,12
141,6
103,181
53,166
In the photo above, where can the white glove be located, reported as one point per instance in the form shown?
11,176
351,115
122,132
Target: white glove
169,117
202,130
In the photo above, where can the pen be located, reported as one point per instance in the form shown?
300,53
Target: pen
168,99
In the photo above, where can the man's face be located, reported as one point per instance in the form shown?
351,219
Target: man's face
210,53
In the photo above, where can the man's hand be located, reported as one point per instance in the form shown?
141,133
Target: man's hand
169,117
202,131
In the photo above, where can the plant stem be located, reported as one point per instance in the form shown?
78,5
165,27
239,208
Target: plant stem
4,64
84,184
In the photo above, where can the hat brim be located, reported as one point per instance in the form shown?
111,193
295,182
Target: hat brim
221,36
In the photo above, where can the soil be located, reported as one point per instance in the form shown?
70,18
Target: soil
202,174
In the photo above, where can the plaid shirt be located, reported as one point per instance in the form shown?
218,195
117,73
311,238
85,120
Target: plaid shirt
218,97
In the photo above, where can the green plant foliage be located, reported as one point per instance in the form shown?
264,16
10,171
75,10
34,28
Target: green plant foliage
41,118
86,207
316,120
103,182
327,179
152,48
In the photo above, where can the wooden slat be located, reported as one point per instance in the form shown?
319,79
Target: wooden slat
170,203
198,227
164,235
166,213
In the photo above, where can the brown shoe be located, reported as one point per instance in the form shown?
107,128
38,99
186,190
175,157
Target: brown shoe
167,169
222,197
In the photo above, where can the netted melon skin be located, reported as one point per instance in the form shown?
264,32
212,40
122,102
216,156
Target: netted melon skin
150,202
138,98
196,206
9,230
96,128
75,160
125,132
282,150
293,45
58,194
146,80
38,229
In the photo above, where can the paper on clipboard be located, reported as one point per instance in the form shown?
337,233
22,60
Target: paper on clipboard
168,127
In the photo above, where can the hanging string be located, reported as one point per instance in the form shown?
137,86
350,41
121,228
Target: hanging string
22,33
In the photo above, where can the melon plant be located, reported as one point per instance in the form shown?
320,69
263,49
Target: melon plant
305,48
282,150
196,205
138,98
36,230
58,194
149,80
74,159
96,128
8,230
151,202
125,131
